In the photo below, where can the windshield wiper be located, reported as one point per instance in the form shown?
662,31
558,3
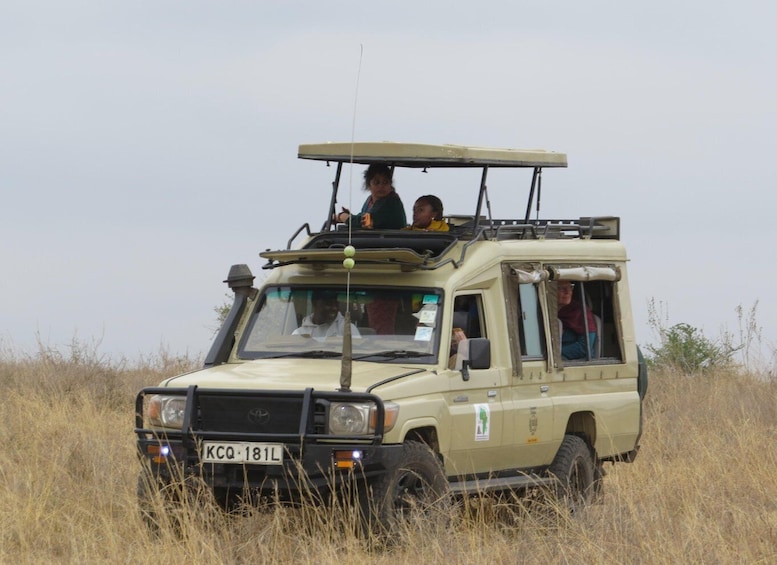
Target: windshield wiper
394,354
315,354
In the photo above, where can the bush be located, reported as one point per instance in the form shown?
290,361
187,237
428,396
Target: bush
685,348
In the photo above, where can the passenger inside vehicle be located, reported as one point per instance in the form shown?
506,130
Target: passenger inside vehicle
576,324
325,320
466,324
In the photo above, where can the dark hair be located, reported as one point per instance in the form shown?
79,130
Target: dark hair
434,202
374,170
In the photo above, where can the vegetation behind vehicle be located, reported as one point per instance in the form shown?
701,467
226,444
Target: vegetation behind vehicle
69,468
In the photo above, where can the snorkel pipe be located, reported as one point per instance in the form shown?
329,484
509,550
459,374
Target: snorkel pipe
240,280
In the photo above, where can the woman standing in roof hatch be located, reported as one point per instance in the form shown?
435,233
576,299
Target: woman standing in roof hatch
383,209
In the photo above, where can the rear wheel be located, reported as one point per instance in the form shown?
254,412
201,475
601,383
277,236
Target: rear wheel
573,468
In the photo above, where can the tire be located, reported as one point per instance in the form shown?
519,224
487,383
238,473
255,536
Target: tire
148,500
642,376
165,504
413,487
573,468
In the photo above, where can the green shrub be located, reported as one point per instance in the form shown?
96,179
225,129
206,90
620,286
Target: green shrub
685,348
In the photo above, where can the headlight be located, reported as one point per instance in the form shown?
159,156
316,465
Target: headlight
359,418
166,411
346,418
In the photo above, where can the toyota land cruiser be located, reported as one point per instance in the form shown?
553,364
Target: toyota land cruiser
447,375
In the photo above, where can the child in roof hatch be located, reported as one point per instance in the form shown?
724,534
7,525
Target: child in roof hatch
427,214
383,209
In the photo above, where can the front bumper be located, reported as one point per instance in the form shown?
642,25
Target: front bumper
312,468
313,461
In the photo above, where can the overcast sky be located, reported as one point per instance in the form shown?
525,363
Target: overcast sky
147,146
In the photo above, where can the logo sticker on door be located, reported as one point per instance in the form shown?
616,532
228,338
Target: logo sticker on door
482,422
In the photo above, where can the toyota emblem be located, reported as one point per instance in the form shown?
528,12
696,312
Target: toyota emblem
258,415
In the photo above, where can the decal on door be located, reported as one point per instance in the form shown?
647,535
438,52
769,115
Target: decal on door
482,422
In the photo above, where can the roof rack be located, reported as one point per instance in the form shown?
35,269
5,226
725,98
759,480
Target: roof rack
431,250
594,227
405,248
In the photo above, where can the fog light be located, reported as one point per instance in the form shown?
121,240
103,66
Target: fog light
159,453
348,459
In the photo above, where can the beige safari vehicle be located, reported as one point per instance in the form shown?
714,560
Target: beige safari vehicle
443,370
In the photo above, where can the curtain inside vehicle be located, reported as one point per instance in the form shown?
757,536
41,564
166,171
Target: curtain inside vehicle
585,273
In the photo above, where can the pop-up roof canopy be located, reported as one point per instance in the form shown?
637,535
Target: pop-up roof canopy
419,250
423,156
420,155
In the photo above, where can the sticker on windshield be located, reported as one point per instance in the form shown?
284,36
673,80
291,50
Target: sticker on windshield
430,298
423,333
427,316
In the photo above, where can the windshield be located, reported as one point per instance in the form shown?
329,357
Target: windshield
387,325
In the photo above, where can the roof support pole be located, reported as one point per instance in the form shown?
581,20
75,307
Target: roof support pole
535,182
333,200
584,300
481,196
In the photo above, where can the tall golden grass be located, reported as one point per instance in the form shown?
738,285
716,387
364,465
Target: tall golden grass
703,489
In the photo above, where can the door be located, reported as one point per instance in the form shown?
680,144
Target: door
474,397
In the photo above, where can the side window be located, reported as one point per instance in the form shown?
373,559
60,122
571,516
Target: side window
468,323
587,321
601,298
531,334
525,312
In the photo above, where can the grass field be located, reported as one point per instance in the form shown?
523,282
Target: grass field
703,489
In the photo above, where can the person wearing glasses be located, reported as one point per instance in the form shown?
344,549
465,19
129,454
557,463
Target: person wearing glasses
383,208
573,324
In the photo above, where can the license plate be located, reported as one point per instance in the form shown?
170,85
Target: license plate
249,452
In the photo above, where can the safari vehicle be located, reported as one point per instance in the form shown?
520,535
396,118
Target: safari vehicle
449,378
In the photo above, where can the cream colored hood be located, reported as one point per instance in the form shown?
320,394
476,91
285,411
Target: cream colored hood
291,374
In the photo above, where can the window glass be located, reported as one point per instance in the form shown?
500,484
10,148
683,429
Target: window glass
588,308
468,323
532,342
387,325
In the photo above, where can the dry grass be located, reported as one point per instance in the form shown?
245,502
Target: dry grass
703,490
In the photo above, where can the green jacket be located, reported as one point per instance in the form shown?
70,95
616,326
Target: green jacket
385,214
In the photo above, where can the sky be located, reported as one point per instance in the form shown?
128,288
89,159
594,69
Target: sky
147,146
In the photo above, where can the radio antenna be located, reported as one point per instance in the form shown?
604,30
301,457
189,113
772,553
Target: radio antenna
349,251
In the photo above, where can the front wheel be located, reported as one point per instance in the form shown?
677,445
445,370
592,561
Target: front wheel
414,486
573,468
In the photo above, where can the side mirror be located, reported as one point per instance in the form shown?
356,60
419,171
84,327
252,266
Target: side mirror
478,355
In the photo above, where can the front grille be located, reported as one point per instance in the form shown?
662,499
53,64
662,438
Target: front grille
248,414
